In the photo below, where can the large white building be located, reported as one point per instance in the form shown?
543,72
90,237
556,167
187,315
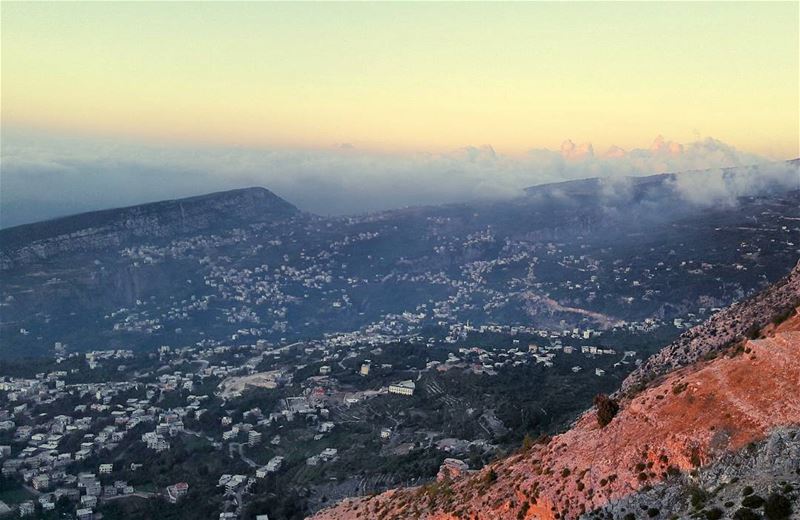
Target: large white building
403,388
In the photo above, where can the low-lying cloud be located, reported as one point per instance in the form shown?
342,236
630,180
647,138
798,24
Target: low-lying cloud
47,177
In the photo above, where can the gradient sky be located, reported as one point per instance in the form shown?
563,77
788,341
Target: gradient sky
410,76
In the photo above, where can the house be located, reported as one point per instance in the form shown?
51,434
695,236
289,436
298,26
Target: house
40,482
274,464
84,514
328,453
403,388
176,491
27,508
105,469
46,501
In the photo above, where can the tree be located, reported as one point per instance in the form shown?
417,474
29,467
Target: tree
607,408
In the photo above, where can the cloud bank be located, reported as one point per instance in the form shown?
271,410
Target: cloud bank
44,177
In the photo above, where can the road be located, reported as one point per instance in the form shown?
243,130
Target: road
238,447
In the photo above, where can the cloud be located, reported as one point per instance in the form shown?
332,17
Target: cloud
572,151
718,187
43,176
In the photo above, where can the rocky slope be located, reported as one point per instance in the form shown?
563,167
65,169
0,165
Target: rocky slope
99,230
699,407
742,319
763,478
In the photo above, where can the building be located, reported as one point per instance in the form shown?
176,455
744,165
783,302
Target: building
365,369
40,482
403,388
328,453
272,466
105,469
254,438
27,508
176,491
231,482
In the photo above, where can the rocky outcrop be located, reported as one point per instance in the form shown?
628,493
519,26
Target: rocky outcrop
100,230
763,478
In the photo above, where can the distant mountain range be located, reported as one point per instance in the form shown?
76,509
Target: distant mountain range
594,252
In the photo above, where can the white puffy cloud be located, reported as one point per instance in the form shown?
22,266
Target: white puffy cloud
44,177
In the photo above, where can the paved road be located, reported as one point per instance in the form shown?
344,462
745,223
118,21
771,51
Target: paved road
239,448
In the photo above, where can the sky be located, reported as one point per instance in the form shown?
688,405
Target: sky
359,97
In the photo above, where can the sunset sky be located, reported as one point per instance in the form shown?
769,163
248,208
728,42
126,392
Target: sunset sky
405,77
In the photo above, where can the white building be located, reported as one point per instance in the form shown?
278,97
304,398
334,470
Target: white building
403,388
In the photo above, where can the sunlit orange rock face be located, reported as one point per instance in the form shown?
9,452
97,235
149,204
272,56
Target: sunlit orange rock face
688,418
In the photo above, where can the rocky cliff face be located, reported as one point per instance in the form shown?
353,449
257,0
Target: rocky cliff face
703,412
100,230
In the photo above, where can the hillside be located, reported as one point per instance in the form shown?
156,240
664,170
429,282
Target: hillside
98,230
738,395
623,253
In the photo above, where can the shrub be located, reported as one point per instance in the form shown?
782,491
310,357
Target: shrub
694,458
783,316
527,442
753,501
753,331
713,514
777,507
697,497
607,408
746,514
747,490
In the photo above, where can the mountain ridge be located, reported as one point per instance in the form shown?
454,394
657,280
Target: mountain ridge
97,229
